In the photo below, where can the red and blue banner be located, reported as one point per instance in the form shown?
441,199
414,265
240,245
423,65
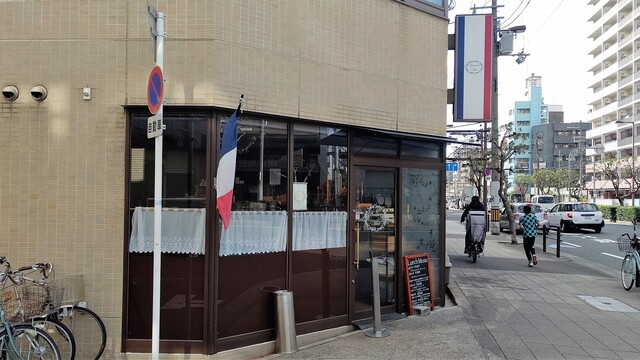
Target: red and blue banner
473,68
226,175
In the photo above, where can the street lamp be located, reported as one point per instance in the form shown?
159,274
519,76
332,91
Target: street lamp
633,157
599,149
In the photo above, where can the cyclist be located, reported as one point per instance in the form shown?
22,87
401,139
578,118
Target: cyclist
475,223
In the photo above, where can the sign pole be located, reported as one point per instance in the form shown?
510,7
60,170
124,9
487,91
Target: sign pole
157,208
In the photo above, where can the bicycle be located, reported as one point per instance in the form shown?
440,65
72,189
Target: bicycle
31,302
87,327
24,341
476,233
631,262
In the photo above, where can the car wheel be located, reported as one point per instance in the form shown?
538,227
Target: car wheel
598,229
564,227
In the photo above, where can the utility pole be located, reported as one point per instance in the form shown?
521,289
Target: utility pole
495,152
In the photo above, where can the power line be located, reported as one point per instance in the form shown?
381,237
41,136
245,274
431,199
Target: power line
547,19
514,11
516,18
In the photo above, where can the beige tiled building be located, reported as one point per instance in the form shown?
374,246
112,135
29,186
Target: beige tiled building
351,94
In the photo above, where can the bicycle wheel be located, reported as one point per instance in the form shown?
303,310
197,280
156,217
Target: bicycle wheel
29,344
628,272
60,334
87,329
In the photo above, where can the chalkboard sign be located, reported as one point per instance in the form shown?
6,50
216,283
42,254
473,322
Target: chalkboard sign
416,268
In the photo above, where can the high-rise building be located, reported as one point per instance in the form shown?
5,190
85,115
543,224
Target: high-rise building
615,84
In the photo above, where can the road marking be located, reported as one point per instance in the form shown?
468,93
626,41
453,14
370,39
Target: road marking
615,256
570,244
565,245
604,241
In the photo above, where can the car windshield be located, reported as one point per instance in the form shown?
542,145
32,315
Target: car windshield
585,208
545,200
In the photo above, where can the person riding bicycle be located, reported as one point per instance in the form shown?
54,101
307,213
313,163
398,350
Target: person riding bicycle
474,213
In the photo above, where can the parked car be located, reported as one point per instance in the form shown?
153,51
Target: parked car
518,212
576,215
546,202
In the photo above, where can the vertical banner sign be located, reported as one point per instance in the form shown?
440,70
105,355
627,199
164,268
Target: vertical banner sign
416,268
473,70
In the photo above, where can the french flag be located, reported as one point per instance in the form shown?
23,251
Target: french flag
226,175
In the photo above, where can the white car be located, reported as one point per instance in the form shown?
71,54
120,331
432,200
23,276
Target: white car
576,215
518,211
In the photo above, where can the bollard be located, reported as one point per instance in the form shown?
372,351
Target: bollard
544,238
377,331
558,241
285,323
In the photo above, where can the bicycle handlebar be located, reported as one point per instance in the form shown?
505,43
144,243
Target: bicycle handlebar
44,268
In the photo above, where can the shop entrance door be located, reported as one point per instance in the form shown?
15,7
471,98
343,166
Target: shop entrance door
373,234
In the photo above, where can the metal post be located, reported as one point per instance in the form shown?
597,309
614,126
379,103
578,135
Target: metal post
558,232
495,152
377,330
544,238
157,210
633,165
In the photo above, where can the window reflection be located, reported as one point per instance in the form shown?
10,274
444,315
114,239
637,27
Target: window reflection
319,222
252,262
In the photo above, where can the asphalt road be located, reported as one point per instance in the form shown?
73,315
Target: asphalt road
601,249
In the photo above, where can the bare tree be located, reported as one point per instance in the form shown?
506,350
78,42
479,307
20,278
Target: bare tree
477,162
611,170
506,149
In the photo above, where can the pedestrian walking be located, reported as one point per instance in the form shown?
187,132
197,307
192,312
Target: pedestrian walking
529,226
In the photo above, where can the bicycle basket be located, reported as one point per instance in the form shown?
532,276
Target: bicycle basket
56,292
22,302
73,289
624,243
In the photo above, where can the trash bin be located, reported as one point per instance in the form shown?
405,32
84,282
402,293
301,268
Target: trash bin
285,323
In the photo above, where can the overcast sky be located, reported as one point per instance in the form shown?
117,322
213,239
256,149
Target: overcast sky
557,41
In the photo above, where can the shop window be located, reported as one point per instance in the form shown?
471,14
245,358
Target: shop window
184,198
421,219
374,144
252,251
415,148
319,205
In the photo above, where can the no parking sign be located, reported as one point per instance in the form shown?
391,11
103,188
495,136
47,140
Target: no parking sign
154,90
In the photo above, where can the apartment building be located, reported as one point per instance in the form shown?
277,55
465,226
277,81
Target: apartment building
615,103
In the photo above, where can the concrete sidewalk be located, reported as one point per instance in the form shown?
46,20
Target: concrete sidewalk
563,308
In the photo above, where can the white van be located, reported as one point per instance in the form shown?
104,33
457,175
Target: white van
546,202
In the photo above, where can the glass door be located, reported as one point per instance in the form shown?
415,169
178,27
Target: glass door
374,237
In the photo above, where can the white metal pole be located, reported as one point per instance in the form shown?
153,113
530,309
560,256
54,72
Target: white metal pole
157,210
633,163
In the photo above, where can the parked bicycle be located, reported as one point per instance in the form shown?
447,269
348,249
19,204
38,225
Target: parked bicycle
88,329
21,341
34,302
631,262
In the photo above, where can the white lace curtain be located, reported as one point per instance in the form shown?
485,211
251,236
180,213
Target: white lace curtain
319,230
254,232
249,232
182,230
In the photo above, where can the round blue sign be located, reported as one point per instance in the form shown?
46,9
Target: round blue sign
154,90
